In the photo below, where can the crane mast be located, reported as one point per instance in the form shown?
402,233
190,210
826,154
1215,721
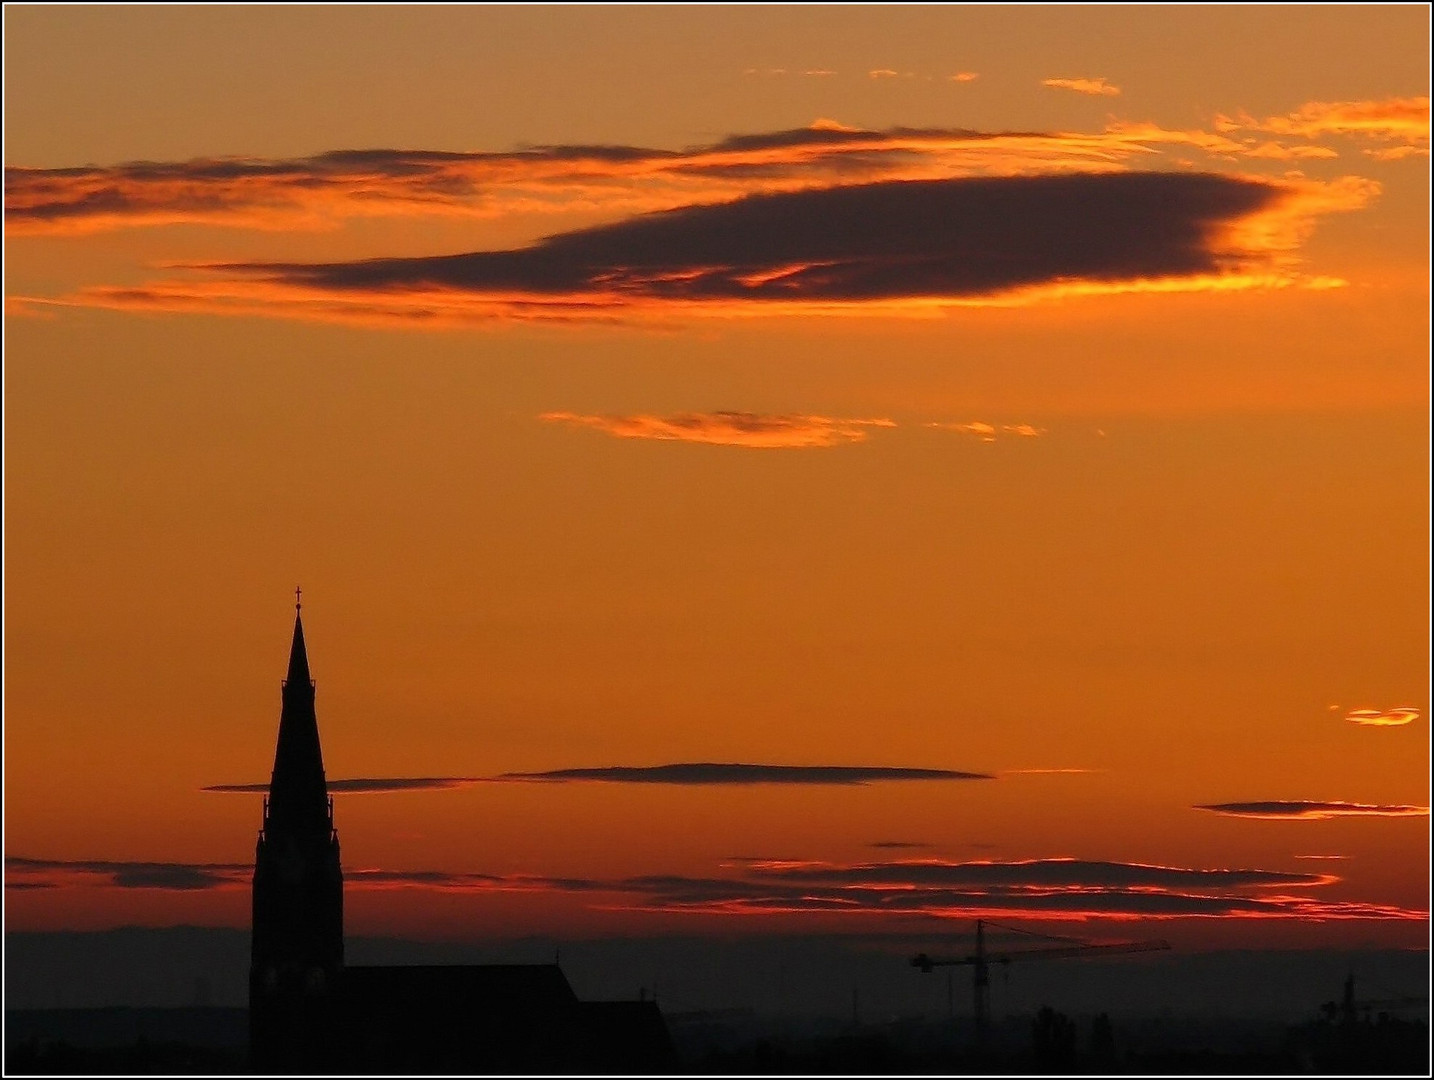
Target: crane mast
980,962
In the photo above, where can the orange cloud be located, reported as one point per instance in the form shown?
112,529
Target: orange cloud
1279,152
882,73
997,241
1396,153
729,428
319,191
1393,119
1304,810
988,432
1098,87
1383,718
964,76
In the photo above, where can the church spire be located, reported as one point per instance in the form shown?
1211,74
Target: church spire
298,794
297,947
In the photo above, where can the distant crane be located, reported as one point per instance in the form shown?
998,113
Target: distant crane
1347,1009
981,962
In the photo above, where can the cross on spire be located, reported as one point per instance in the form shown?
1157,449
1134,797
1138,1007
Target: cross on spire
298,596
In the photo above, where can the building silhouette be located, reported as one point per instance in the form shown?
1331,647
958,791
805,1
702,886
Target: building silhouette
310,1012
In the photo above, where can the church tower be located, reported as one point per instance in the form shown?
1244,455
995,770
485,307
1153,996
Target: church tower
297,949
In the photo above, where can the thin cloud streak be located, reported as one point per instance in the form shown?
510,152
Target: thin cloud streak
170,876
987,432
363,785
703,773
699,773
888,844
752,430
1033,873
1096,87
1302,810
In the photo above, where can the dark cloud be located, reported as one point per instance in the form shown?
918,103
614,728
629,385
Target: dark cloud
693,773
1032,873
719,773
1313,811
181,877
897,844
884,241
365,785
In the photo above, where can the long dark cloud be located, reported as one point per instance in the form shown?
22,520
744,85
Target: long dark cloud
177,876
681,773
894,845
884,241
1032,873
1296,809
724,773
365,785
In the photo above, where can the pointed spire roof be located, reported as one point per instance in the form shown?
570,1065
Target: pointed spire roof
298,655
298,795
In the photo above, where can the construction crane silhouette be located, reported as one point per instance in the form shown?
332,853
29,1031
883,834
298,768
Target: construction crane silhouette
981,962
1348,1009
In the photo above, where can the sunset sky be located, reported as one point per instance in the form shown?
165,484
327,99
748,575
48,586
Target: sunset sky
1003,431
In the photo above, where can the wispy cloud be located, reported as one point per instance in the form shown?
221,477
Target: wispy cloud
751,430
1284,810
987,432
731,773
964,76
1048,772
1392,119
1097,87
907,247
882,73
1397,717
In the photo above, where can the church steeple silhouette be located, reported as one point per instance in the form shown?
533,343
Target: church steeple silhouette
297,949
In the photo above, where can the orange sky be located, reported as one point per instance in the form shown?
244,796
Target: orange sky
986,389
